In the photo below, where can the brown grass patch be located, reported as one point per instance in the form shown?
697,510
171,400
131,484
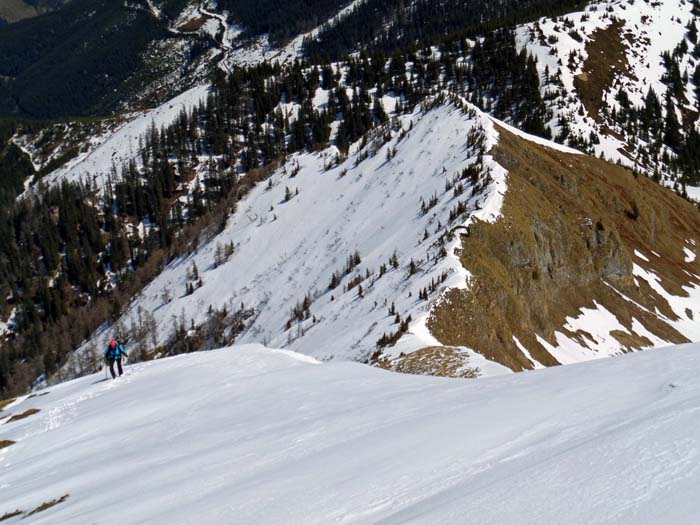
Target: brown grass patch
607,59
39,395
438,361
6,402
9,515
192,25
16,10
4,443
23,415
47,505
566,239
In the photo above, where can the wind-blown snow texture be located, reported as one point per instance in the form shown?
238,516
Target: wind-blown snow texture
251,435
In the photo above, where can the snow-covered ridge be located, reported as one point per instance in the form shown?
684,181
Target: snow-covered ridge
537,140
388,201
292,233
251,435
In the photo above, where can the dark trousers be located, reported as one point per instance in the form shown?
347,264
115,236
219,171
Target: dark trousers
111,367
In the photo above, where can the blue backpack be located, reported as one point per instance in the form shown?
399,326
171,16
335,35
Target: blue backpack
116,352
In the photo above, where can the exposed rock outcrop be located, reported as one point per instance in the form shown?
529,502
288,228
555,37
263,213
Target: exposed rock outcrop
574,234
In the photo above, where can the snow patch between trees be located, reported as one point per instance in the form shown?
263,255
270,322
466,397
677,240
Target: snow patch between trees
122,145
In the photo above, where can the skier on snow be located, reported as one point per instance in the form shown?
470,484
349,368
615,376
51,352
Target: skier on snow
114,354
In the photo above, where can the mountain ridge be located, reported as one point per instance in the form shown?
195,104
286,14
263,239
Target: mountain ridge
579,245
160,184
418,309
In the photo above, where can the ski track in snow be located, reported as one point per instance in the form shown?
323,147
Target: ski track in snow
251,435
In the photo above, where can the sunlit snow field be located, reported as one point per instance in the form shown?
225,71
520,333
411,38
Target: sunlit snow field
252,435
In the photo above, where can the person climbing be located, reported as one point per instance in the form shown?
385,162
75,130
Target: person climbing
114,354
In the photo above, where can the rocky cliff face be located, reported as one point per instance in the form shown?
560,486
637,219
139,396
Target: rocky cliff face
587,261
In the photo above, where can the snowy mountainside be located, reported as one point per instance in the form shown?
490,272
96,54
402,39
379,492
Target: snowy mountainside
119,143
377,222
247,434
560,45
351,258
612,53
371,258
637,33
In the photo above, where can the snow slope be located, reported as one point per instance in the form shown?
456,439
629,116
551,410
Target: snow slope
120,145
117,147
285,251
651,28
251,435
